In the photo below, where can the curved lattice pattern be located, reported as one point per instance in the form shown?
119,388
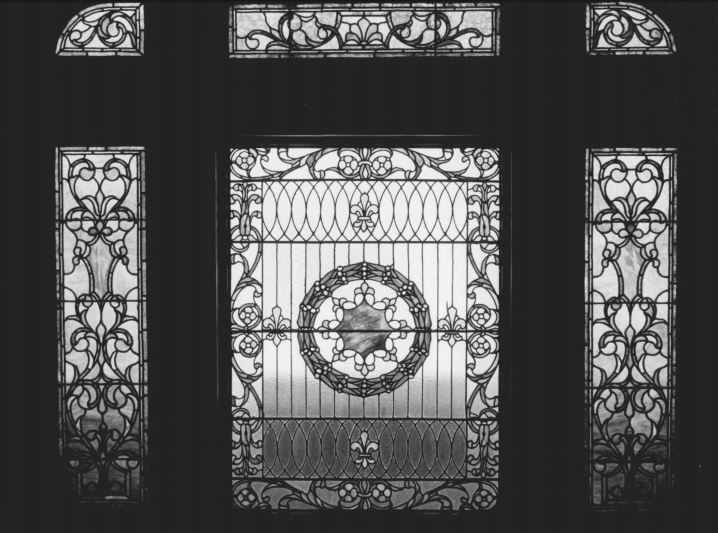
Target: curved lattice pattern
114,29
365,327
101,315
391,449
363,30
630,310
375,211
626,28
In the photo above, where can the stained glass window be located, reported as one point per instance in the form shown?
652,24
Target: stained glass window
101,319
113,29
364,30
630,322
626,28
365,327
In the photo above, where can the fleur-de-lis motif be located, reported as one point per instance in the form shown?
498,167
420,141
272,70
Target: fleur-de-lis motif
451,325
364,214
276,326
365,449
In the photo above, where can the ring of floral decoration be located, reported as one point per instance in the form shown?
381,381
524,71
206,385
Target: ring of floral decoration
321,290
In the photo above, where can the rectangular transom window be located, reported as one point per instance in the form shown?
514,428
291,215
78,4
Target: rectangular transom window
364,30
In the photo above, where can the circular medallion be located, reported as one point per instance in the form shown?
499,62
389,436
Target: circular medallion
364,329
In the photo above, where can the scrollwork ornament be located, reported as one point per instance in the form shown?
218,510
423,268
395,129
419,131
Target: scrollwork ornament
378,163
319,30
102,353
365,495
482,344
631,300
246,259
626,28
113,29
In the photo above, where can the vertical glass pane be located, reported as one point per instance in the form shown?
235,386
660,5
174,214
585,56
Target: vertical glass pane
630,329
101,319
364,314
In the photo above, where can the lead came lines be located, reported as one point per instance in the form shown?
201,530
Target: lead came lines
364,327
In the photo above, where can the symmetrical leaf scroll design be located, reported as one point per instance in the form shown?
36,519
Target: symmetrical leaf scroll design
630,313
364,30
298,164
101,306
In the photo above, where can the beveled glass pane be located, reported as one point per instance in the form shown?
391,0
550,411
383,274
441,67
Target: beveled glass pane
626,28
111,29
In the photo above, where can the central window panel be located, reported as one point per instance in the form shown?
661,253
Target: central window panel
365,327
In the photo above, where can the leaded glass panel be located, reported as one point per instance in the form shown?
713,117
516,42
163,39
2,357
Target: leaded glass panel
365,327
113,29
364,30
625,28
102,321
630,322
